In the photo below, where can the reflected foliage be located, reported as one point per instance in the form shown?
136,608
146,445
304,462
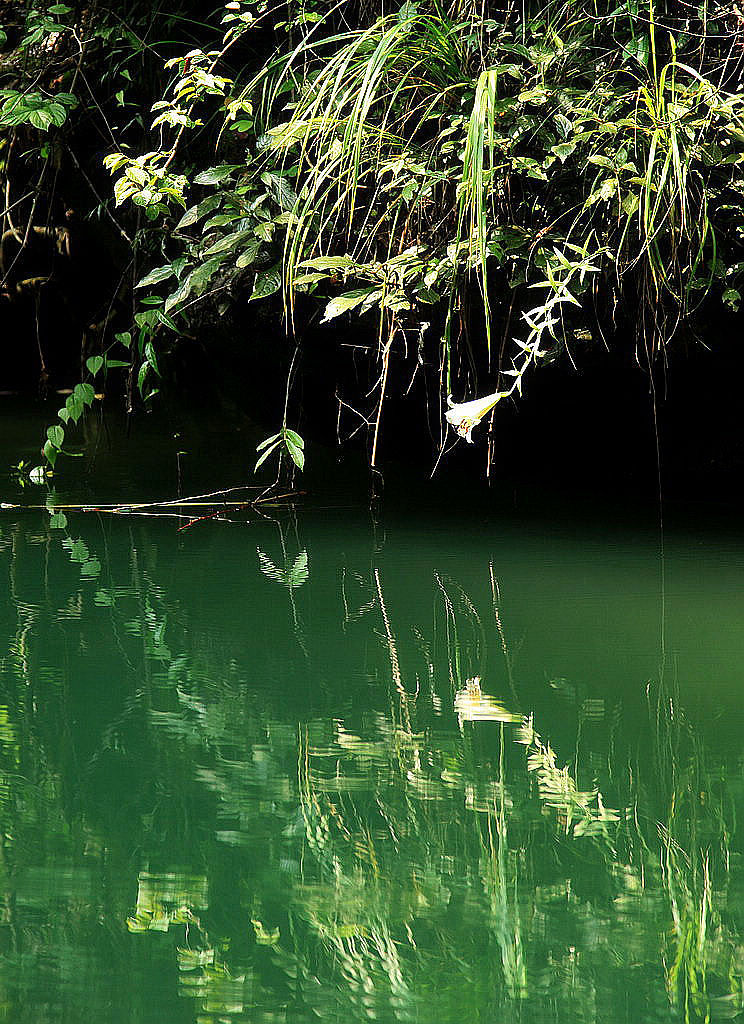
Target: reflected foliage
340,798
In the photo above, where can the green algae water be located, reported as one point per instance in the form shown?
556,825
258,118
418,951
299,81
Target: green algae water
315,766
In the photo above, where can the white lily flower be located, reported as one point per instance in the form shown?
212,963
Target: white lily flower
465,415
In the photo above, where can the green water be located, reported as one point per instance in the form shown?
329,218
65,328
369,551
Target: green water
313,766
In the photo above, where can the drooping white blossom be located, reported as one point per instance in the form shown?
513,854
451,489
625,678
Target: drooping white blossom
465,415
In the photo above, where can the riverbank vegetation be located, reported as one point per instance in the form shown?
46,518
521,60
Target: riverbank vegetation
468,189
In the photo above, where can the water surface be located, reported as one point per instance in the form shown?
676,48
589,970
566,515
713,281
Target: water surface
315,766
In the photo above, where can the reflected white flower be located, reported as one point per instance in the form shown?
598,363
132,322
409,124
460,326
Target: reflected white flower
472,705
465,415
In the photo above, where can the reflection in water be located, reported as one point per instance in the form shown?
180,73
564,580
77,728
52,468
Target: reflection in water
261,773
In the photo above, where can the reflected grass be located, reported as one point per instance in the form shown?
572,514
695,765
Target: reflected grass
452,843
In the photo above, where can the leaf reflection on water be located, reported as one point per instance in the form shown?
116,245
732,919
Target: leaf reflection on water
395,845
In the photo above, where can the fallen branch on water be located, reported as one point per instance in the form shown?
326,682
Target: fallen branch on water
211,500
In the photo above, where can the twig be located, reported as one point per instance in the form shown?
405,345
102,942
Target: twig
196,501
102,202
201,519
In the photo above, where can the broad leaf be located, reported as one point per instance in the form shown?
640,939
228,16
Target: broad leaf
347,301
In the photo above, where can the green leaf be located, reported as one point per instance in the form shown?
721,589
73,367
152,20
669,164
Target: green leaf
606,191
50,452
638,49
85,393
179,295
267,441
304,280
294,437
58,114
269,451
74,406
267,282
201,276
280,190
630,203
249,254
58,521
563,151
157,275
538,96
41,119
264,231
601,161
168,321
94,364
228,242
213,175
143,371
297,455
56,435
328,263
151,356
221,219
347,301
190,217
